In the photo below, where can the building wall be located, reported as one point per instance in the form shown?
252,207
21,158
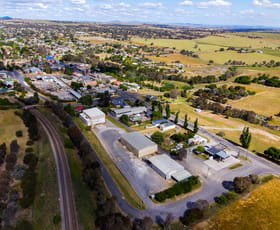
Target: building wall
93,121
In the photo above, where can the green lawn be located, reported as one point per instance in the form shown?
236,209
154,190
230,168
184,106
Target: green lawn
126,189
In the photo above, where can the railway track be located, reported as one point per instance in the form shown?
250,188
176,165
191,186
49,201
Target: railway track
67,202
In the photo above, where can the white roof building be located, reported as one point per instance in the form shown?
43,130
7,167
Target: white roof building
92,117
167,167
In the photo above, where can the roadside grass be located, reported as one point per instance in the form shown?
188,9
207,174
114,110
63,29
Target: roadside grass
9,124
259,142
235,166
262,208
84,197
117,124
201,156
126,189
46,203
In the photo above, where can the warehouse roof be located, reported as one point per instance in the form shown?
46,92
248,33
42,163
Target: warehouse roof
165,164
93,112
181,176
137,140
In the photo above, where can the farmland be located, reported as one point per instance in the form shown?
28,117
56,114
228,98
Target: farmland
261,208
208,48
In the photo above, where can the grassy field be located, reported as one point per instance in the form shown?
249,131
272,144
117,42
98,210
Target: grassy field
265,102
9,124
206,48
126,189
46,204
259,211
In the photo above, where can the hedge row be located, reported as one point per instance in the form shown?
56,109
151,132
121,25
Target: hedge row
178,189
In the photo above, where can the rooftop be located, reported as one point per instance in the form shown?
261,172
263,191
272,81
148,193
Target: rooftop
137,140
166,164
182,175
93,112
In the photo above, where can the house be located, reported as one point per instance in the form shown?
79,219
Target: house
159,122
151,98
167,126
197,140
92,117
138,144
119,102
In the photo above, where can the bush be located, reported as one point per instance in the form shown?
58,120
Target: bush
19,133
231,195
254,179
177,189
56,219
68,144
29,142
241,184
221,134
221,200
191,216
200,149
158,137
124,119
29,150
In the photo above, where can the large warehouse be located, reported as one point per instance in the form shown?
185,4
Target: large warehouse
92,117
168,168
137,143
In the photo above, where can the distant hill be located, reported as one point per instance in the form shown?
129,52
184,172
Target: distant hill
5,18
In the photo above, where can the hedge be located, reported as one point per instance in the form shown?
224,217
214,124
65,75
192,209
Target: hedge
178,189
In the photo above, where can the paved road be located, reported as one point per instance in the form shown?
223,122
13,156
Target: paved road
67,201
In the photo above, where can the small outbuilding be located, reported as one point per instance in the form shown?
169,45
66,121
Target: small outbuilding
137,143
167,126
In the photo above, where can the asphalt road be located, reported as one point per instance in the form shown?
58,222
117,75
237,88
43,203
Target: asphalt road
67,202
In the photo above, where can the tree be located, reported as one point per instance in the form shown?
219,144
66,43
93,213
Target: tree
245,138
168,221
174,93
160,108
145,224
158,137
195,128
86,100
182,154
167,111
156,115
272,153
36,98
202,205
106,99
177,117
241,184
186,124
124,119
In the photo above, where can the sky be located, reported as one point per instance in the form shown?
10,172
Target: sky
210,12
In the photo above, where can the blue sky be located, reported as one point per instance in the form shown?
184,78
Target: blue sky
216,12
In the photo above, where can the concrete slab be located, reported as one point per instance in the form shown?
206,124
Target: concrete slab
217,166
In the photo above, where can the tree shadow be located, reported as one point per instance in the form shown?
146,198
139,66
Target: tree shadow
228,185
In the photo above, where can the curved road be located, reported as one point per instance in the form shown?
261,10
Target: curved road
67,202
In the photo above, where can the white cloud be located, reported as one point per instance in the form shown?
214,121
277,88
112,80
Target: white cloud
151,5
42,5
122,4
186,3
247,12
215,3
266,4
78,2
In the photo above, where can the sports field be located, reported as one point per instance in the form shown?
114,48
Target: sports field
259,211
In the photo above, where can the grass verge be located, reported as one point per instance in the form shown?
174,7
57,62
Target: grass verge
235,166
126,189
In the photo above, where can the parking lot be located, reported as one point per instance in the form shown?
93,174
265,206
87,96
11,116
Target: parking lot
143,178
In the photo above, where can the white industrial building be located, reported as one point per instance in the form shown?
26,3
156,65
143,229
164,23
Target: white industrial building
168,168
137,143
130,111
92,117
167,126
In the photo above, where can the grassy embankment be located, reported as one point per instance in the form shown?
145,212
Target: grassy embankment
258,211
84,197
126,189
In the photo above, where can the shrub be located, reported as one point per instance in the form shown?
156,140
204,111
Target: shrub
158,137
19,133
124,119
254,179
231,195
29,150
56,219
68,144
200,149
241,184
221,200
29,142
221,134
191,216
